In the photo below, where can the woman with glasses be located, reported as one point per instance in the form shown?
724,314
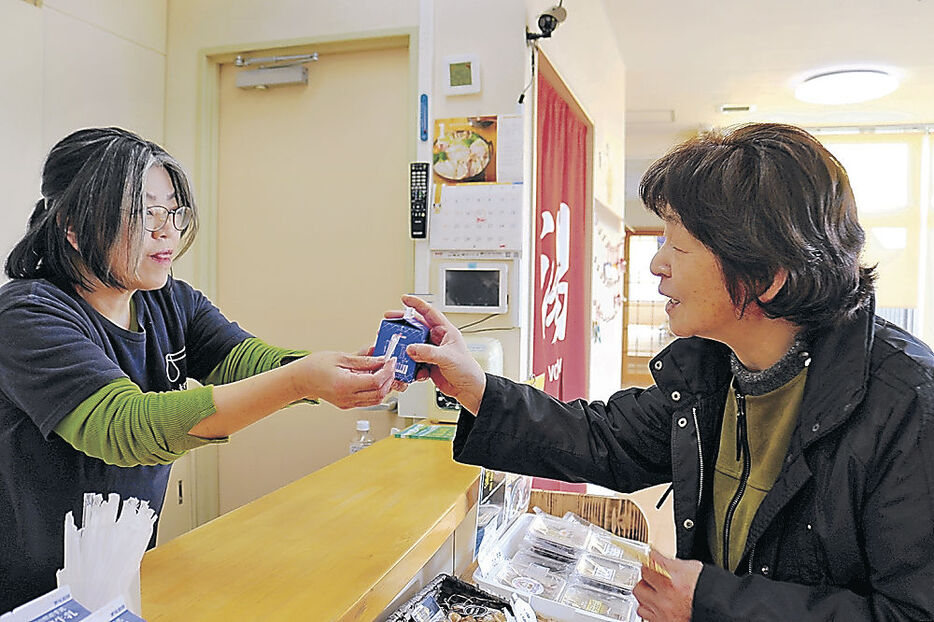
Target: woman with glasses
97,341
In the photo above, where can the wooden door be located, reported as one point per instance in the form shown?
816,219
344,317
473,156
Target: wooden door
313,241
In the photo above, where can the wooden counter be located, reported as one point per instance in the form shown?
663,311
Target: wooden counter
339,544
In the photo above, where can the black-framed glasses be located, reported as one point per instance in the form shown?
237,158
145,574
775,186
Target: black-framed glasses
155,217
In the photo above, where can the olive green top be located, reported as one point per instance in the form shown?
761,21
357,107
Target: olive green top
122,425
770,420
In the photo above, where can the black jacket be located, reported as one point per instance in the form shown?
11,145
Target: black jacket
847,531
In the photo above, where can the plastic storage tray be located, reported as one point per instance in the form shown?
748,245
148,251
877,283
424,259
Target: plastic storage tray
513,541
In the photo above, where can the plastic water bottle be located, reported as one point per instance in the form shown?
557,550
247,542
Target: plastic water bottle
362,438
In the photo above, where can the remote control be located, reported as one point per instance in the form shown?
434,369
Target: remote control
418,187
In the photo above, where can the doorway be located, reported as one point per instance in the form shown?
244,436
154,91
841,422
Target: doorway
312,237
645,323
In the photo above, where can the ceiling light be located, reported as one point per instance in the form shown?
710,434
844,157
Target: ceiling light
846,87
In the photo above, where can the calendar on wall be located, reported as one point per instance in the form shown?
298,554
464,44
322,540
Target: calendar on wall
478,217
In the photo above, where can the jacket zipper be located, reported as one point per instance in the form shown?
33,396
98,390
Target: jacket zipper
700,459
742,451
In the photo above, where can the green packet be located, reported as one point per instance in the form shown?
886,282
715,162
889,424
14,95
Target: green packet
427,430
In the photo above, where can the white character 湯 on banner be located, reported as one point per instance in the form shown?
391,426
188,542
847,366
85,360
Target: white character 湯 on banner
553,270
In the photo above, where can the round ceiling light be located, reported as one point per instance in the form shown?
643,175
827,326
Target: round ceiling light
846,87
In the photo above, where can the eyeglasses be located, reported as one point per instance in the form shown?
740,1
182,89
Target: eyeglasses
155,217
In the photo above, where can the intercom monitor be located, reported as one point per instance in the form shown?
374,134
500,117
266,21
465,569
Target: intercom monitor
474,287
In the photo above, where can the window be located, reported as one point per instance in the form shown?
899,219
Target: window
890,180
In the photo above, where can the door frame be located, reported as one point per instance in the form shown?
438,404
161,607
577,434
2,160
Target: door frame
628,379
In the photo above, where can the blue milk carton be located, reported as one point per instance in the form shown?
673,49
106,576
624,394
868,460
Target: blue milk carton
393,337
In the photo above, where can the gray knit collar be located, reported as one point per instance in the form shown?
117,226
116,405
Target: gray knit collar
761,382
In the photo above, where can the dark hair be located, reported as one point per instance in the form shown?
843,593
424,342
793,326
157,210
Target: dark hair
764,197
92,183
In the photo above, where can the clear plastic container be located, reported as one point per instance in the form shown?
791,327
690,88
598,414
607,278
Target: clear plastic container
531,578
526,556
613,606
607,574
602,542
553,536
362,439
488,517
592,604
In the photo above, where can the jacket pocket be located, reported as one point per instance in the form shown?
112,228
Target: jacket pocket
801,555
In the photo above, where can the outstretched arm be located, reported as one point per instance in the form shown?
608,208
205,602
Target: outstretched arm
623,444
122,425
345,380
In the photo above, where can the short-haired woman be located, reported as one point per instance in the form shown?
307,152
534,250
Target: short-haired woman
97,341
797,429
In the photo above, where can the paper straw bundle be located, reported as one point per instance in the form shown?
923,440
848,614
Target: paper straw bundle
102,558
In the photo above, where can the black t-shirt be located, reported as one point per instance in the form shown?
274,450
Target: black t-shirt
55,352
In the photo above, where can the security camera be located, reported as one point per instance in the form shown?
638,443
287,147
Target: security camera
548,21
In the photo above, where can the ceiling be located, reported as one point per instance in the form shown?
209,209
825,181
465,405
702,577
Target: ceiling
684,58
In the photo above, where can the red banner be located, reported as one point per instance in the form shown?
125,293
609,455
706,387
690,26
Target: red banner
560,331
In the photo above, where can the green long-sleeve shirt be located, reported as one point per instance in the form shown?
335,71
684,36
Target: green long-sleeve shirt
122,425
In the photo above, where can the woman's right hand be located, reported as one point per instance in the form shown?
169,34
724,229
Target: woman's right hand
346,380
450,365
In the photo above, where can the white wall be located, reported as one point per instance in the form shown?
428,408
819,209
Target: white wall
584,52
644,145
499,46
74,64
20,119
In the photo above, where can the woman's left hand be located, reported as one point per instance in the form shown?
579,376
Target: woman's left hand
667,599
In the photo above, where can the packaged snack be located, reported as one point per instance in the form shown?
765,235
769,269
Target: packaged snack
607,574
602,542
558,556
532,579
526,556
571,517
614,606
556,537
